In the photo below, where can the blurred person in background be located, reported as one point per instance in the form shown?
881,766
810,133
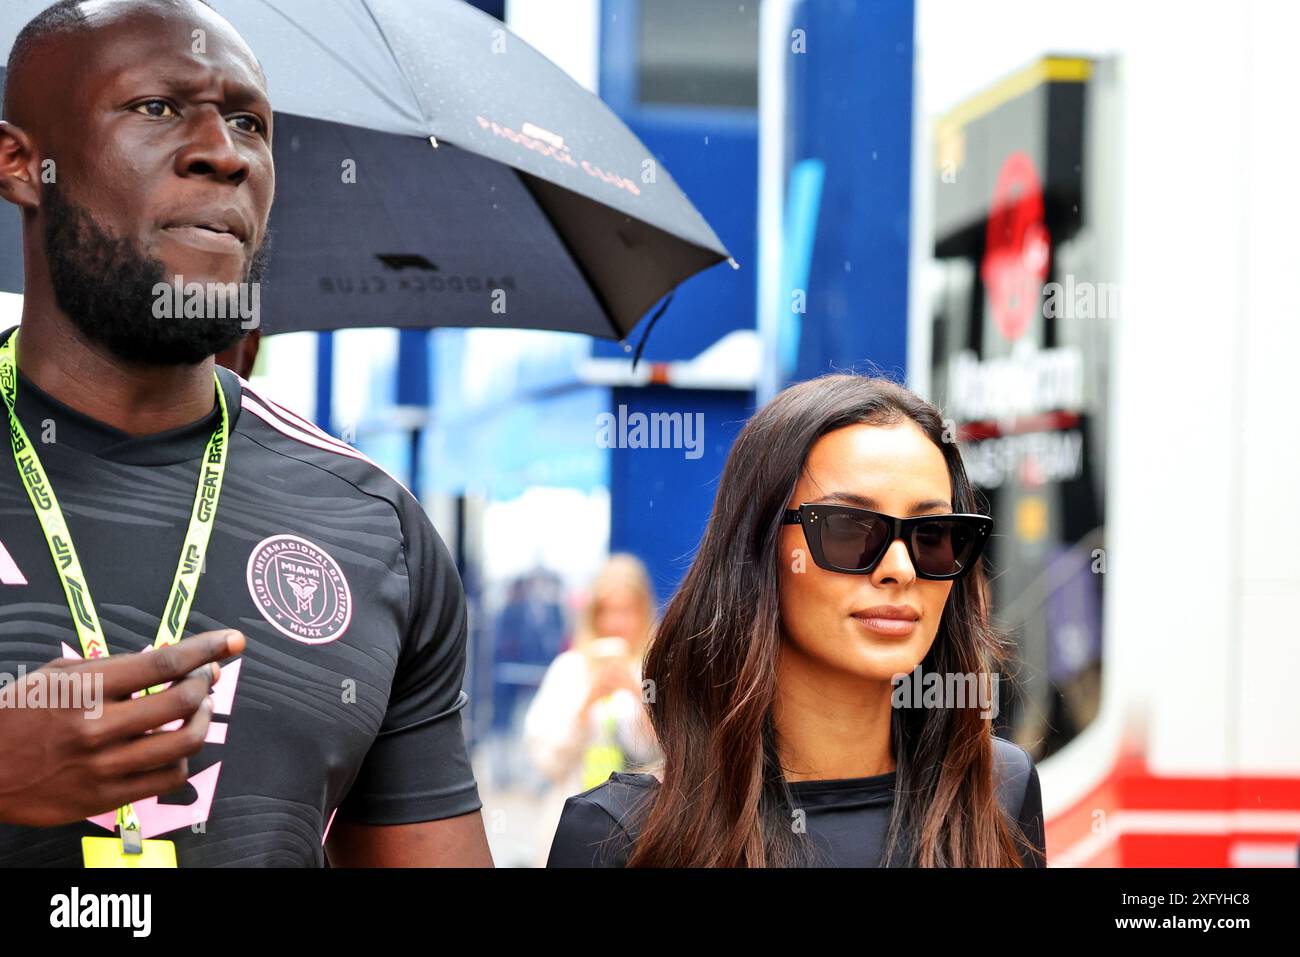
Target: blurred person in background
588,719
843,552
528,632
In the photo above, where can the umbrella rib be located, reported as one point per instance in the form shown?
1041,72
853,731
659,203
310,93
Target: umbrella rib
361,77
401,64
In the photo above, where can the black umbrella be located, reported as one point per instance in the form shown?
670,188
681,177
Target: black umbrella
432,169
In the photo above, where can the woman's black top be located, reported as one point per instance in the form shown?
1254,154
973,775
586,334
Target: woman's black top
846,817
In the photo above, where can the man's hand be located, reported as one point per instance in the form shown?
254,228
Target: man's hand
62,764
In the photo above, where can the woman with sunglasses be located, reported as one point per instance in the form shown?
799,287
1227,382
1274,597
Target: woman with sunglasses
843,551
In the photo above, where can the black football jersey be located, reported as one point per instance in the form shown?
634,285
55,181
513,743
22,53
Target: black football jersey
347,700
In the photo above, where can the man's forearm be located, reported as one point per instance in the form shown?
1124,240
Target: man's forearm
452,842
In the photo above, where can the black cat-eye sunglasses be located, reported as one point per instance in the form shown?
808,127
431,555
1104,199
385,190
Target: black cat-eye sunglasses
843,538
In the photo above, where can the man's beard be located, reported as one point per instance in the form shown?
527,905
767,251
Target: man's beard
107,287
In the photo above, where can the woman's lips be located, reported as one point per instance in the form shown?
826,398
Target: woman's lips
889,627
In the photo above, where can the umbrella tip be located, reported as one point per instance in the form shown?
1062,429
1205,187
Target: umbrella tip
731,260
433,141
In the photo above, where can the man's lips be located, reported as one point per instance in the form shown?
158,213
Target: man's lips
230,221
206,236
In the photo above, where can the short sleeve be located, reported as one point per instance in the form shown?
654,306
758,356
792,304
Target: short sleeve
418,768
588,836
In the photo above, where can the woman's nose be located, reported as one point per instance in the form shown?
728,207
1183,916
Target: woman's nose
895,565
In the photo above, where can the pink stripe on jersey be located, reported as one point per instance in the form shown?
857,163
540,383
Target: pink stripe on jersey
296,427
294,433
296,419
292,418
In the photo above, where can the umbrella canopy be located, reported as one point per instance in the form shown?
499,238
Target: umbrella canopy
432,169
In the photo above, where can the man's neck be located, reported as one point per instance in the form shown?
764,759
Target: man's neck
138,399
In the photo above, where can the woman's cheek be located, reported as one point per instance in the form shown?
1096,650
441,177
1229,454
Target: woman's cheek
798,606
935,598
810,603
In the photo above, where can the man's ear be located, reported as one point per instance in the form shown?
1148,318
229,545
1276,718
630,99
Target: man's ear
18,168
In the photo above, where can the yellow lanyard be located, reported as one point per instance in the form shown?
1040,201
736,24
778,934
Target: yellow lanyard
82,608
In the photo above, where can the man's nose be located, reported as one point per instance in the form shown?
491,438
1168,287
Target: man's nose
210,149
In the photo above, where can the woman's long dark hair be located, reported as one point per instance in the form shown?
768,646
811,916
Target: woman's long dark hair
723,801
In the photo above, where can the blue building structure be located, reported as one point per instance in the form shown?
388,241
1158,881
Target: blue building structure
844,180
828,291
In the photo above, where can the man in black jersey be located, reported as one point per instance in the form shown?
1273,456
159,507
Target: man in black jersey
137,143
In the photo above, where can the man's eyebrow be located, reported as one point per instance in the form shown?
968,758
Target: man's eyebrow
238,93
866,501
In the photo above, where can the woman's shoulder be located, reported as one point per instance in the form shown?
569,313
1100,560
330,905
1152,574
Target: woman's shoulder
599,826
1020,795
1012,769
621,797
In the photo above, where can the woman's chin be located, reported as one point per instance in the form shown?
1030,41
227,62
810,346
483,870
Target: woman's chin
882,659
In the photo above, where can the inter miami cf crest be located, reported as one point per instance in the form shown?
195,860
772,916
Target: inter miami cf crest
300,589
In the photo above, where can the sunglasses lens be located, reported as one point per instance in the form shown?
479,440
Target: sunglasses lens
852,541
943,547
